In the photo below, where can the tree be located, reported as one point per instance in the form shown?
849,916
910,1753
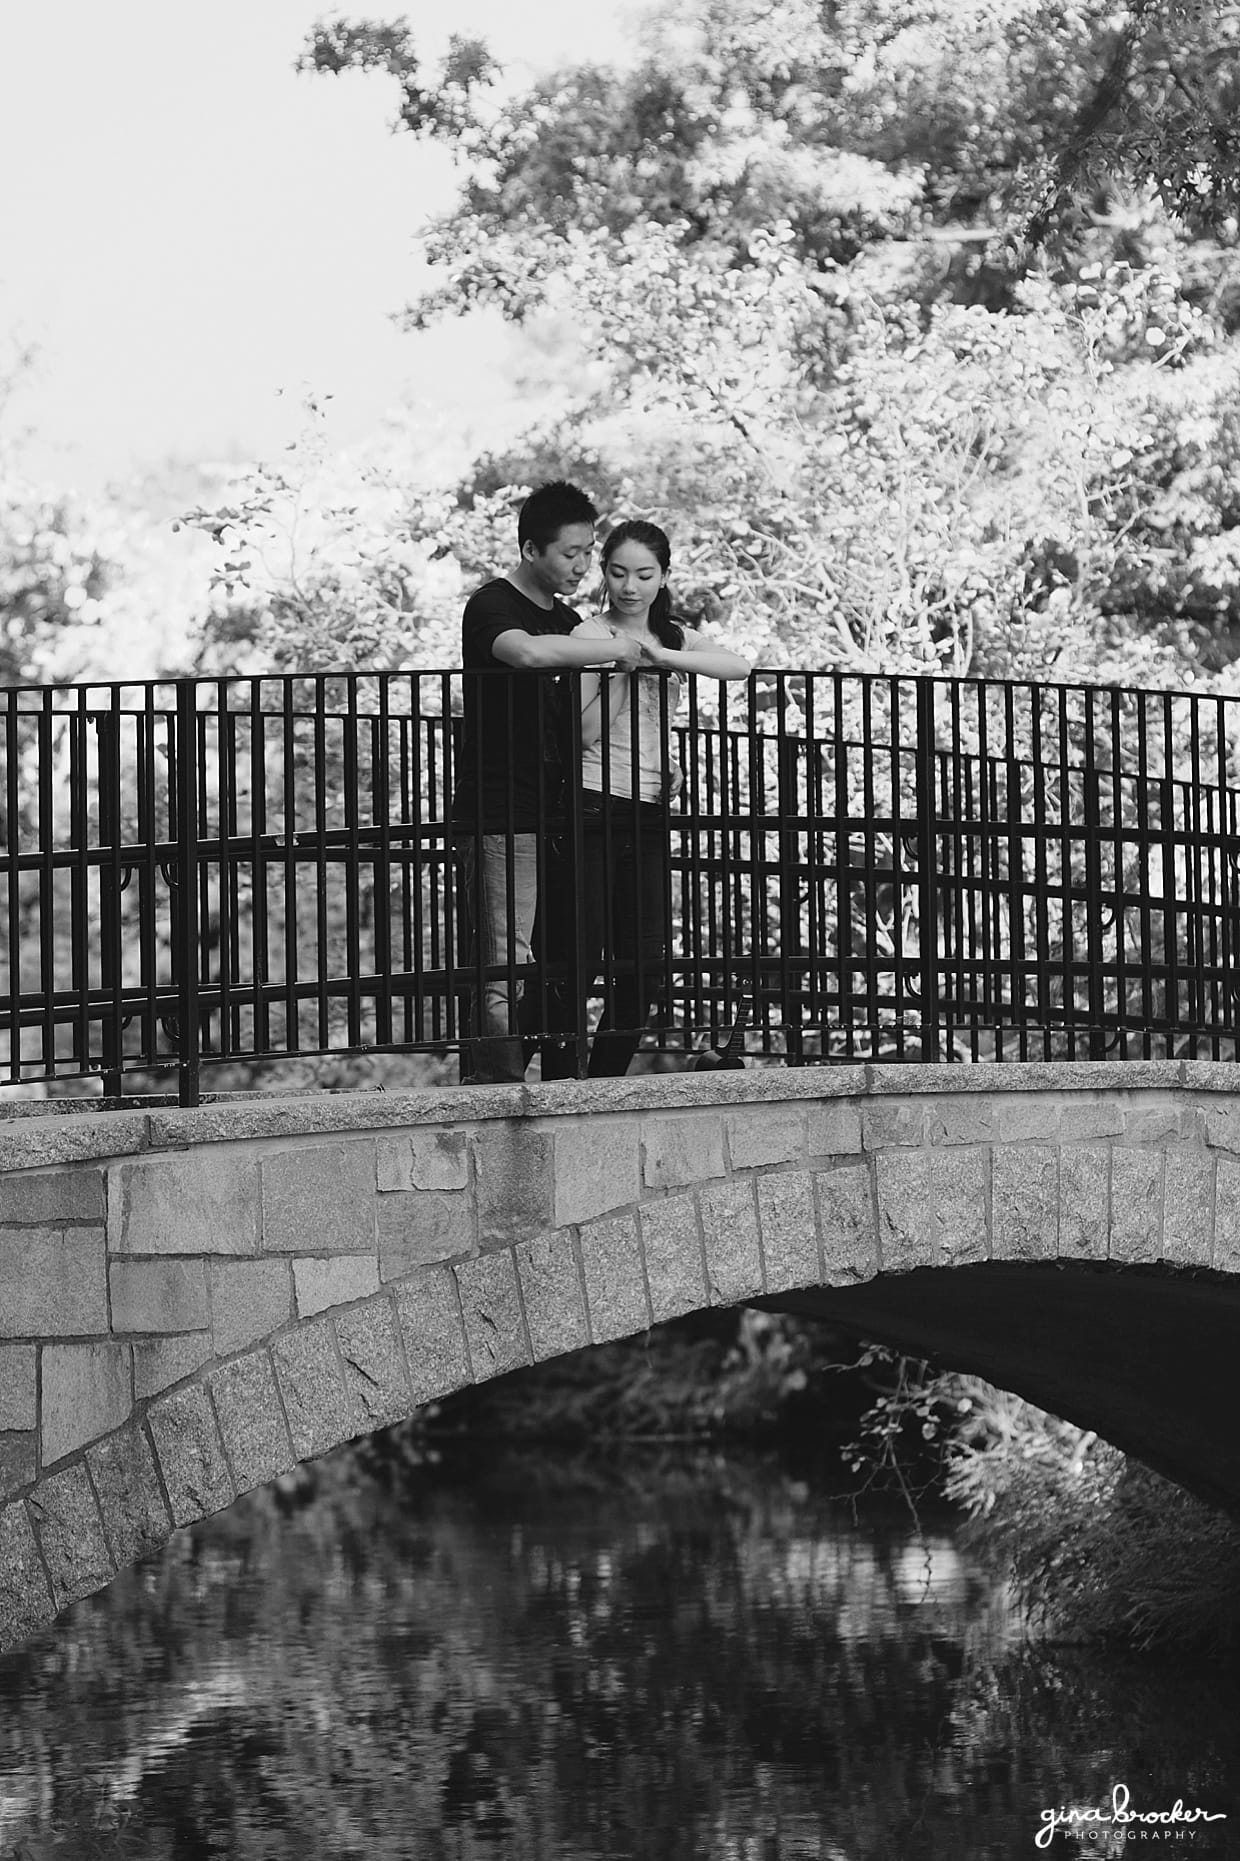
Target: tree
849,120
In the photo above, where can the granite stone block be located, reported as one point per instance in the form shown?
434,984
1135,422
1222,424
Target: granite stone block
196,1202
424,1227
51,1138
321,1284
960,1190
19,1462
249,1300
759,1135
158,1363
1025,1203
320,1199
672,1248
1030,1119
1188,1207
53,1198
597,1168
1220,1125
964,1120
491,1308
190,1455
251,1420
25,1600
159,1295
682,1149
729,1217
833,1129
311,1379
551,1291
886,1124
788,1223
423,1159
611,1261
1156,1125
1084,1201
69,1529
87,1392
846,1220
1087,1117
374,1363
131,1501
53,1283
18,1386
428,1308
1136,1204
905,1210
1226,1255
514,1176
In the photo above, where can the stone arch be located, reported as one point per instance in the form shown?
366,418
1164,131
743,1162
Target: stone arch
193,1302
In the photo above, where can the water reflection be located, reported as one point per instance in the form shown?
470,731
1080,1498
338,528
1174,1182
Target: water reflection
668,1661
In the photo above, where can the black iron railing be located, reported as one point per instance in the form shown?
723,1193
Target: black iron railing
229,873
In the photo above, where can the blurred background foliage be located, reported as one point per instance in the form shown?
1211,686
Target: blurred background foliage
917,327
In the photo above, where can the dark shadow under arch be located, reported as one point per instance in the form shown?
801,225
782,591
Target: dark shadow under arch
1145,1356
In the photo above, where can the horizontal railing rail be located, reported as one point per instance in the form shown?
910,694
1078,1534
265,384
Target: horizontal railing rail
231,874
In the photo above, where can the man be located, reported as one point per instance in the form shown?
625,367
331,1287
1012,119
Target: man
509,776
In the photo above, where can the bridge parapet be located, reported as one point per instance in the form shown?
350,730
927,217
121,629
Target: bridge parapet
193,1302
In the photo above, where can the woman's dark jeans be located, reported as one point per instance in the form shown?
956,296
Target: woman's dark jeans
609,923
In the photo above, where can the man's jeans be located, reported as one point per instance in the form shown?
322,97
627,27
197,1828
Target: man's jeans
501,880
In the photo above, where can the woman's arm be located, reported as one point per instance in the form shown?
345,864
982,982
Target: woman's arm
587,631
541,652
699,654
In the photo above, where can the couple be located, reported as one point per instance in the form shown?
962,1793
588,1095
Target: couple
516,749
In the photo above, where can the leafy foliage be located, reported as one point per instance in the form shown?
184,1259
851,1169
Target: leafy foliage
1097,1546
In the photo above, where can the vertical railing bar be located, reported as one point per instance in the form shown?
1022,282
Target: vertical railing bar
187,938
1113,841
321,925
210,930
1041,874
1221,1015
1170,911
424,893
927,886
80,911
292,932
1144,841
351,775
1188,948
843,888
381,871
111,948
146,777
260,929
228,942
13,847
1068,840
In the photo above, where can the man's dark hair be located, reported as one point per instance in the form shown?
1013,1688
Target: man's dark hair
549,510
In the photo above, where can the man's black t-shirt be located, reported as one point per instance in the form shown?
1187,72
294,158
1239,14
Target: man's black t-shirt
509,752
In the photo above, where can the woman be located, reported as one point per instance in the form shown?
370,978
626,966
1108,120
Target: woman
617,920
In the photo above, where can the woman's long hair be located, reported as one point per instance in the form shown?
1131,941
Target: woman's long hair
666,627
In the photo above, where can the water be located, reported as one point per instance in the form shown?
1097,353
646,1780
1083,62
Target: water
700,1660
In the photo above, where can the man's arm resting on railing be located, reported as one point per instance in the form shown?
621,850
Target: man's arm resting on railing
537,652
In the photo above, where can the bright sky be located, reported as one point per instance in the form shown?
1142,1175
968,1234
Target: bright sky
188,227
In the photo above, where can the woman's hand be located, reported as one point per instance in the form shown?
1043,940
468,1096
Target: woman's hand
660,658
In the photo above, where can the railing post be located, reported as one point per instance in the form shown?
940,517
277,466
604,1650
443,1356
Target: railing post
185,923
791,870
927,871
111,885
1095,950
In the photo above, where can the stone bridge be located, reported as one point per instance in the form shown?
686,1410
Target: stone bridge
192,1302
